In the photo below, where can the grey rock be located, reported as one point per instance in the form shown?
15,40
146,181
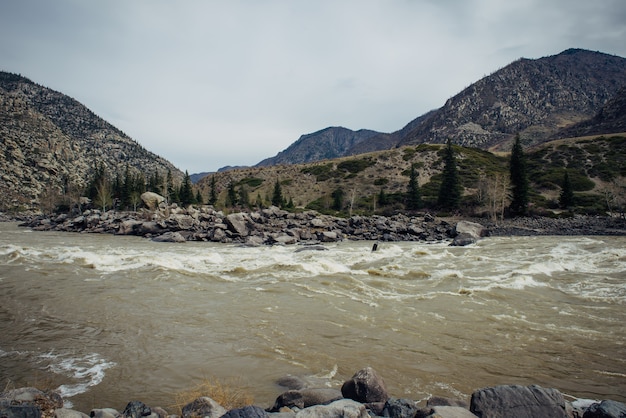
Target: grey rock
104,413
69,413
203,407
344,408
606,409
136,409
473,229
246,412
237,223
20,411
462,240
152,200
169,237
365,386
451,412
518,401
400,408
304,398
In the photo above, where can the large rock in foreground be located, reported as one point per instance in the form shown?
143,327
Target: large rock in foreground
366,386
518,401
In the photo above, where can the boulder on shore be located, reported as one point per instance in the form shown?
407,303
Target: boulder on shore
518,401
366,386
152,200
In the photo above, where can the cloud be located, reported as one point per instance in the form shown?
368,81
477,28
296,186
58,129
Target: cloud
209,83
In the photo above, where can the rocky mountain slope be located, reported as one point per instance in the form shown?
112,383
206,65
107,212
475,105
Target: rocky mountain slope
610,119
534,97
51,143
333,142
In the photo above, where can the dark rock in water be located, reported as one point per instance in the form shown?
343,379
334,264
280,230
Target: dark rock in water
400,408
246,412
462,240
20,411
203,407
366,386
305,398
312,248
518,401
136,409
169,237
606,409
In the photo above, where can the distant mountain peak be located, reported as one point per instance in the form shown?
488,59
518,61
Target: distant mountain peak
327,143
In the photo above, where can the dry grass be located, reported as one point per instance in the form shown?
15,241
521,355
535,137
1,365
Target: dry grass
230,393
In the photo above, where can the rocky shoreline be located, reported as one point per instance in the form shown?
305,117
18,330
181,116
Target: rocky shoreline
273,226
362,396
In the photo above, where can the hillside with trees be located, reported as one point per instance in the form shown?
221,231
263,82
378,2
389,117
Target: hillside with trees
51,147
448,179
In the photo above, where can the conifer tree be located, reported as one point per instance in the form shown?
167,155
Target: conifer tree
186,191
450,188
337,196
213,192
170,190
231,196
413,195
519,180
277,196
566,198
382,197
244,199
199,199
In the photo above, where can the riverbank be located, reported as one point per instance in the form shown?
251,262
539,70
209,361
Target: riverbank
273,226
362,396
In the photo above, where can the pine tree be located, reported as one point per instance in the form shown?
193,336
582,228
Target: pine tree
566,198
519,180
213,192
199,199
244,199
382,197
170,190
450,188
231,196
186,191
337,196
277,196
413,195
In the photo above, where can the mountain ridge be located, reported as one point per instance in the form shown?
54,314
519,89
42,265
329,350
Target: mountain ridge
536,98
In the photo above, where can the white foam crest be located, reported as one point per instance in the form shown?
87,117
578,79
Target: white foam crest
89,370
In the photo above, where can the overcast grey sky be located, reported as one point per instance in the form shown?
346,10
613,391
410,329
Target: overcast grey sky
206,84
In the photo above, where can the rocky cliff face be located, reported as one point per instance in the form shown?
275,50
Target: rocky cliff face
610,119
535,98
50,143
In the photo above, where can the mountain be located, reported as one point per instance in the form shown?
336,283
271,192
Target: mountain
533,97
332,142
51,142
610,119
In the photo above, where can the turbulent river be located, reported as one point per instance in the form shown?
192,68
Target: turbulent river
110,319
